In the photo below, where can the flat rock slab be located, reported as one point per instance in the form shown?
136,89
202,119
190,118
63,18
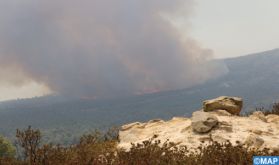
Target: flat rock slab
238,130
232,105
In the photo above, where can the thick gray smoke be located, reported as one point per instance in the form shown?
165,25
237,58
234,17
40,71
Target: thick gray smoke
100,48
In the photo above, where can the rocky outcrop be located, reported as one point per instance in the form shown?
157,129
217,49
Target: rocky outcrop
254,141
256,130
272,118
258,115
203,122
232,105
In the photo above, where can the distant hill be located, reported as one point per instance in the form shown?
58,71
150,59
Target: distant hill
254,77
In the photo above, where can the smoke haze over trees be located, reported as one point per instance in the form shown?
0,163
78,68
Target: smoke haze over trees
97,48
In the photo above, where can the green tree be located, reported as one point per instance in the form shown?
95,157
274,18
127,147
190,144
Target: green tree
6,148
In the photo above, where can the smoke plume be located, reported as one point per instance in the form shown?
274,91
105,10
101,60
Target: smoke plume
100,48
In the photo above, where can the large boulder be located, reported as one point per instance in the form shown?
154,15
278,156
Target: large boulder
254,141
203,122
232,105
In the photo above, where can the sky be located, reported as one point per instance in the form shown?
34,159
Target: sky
236,27
219,28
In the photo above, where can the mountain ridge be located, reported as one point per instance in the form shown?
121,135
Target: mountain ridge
250,77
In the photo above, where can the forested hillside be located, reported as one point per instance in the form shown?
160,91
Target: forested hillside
255,78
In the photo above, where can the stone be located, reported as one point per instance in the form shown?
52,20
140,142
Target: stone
204,138
205,127
156,121
129,126
203,122
186,129
226,126
272,118
256,131
255,141
275,149
219,139
233,105
221,113
258,115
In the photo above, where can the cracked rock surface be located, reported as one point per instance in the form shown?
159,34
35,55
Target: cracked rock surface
256,130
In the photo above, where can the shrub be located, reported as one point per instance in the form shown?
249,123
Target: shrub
274,109
29,140
101,149
98,149
7,150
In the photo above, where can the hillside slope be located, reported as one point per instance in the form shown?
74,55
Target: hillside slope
255,78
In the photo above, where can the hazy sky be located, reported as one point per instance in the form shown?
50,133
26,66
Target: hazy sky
228,27
236,27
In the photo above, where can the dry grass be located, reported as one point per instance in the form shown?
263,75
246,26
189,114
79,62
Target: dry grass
274,109
98,149
101,149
